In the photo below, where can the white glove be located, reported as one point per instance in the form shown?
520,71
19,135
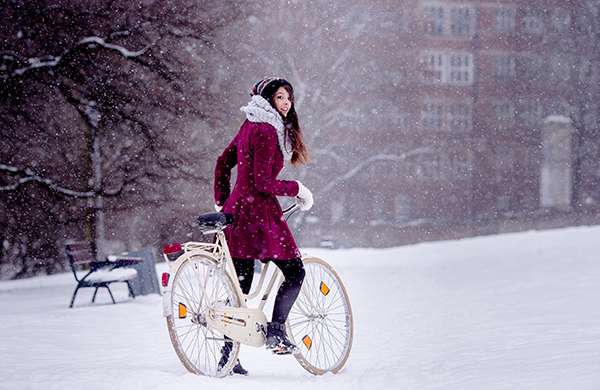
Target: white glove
304,199
218,208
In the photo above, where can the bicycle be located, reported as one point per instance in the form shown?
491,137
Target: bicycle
205,308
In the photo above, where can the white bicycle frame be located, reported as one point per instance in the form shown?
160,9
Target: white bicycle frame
243,324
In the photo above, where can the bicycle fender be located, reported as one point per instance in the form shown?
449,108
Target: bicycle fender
167,290
241,324
167,307
186,256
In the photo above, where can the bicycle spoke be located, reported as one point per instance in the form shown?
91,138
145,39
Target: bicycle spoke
322,314
198,284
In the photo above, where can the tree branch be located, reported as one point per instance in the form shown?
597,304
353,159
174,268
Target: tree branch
52,61
380,157
32,176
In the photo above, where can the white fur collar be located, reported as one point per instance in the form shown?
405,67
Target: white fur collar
259,110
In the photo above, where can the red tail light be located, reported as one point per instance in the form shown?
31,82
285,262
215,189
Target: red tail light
171,248
165,279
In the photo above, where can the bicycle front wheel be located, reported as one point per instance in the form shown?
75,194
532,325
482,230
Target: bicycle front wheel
198,285
320,322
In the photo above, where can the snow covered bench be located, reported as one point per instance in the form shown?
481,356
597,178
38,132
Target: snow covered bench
101,273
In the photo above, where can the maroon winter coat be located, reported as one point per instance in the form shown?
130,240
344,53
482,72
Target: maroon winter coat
259,231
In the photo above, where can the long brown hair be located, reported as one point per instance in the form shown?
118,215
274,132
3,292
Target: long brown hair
300,150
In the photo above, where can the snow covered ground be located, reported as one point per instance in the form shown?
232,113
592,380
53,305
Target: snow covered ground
516,311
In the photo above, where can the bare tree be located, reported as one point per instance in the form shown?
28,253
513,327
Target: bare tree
95,102
346,76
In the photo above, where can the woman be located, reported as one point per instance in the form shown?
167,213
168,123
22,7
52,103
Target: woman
269,136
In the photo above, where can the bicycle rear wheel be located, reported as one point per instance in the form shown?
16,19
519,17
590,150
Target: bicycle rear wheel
320,322
197,286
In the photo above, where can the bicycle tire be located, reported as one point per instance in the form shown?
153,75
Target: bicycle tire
323,330
198,346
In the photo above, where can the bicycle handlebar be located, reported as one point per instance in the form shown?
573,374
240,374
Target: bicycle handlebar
290,210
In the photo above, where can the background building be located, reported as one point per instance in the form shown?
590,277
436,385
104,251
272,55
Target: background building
498,100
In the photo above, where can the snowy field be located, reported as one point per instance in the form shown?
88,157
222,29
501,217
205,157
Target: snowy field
516,311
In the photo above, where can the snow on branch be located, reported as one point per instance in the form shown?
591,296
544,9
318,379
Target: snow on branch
101,42
380,157
51,61
38,63
29,175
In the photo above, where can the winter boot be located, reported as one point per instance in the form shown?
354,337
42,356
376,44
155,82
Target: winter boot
225,351
277,340
238,369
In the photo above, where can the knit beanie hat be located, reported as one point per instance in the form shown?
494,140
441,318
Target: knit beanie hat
267,86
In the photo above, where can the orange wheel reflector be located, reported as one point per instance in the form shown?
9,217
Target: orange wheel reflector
324,289
182,310
307,341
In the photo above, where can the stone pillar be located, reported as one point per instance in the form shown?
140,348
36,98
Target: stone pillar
556,175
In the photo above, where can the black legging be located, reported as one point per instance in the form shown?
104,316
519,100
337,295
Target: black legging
292,270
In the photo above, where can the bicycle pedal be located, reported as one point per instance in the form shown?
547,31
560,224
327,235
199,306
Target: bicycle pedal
281,352
285,351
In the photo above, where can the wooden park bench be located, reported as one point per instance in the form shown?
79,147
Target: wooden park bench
101,273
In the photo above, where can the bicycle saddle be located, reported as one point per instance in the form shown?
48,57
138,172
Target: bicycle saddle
214,222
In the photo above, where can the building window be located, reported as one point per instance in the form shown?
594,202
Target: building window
504,19
434,69
397,120
379,209
460,69
461,164
560,68
532,20
505,160
447,165
434,19
448,68
402,208
438,116
503,66
459,118
460,21
530,114
503,110
560,20
428,168
432,117
531,67
453,20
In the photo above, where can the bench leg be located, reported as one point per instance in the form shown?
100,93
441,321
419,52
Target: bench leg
73,298
111,296
109,292
131,294
95,292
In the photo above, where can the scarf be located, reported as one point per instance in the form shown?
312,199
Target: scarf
259,110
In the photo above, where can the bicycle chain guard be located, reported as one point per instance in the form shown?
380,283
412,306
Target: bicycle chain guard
241,324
